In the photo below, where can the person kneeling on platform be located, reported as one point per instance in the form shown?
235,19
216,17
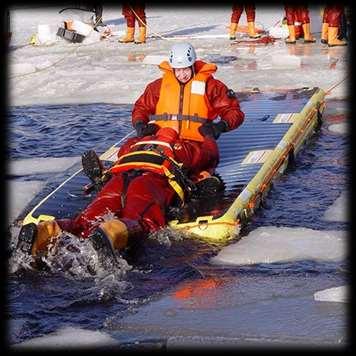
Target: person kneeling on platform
173,153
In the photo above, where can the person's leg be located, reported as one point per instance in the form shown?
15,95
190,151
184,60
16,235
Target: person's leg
250,15
130,24
144,211
98,14
290,17
147,199
343,27
140,11
235,18
334,20
35,239
303,17
107,201
324,26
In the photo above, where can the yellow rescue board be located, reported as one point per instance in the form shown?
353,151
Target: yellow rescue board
226,227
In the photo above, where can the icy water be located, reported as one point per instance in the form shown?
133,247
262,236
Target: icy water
169,294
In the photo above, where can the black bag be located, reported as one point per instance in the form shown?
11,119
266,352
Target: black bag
69,35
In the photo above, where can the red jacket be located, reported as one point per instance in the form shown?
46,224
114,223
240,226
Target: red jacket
224,106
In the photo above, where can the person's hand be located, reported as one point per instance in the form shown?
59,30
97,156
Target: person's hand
143,129
213,130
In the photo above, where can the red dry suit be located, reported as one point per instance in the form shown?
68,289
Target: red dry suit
237,11
129,10
204,98
332,15
139,190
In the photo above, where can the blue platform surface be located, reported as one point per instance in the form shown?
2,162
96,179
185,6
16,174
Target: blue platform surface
258,132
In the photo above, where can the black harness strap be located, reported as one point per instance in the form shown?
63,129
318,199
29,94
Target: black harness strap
128,177
178,117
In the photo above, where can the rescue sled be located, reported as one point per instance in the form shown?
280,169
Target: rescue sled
276,126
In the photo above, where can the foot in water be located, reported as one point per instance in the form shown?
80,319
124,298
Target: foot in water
114,235
26,238
102,245
28,244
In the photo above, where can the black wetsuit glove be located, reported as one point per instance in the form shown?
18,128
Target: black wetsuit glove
213,130
143,129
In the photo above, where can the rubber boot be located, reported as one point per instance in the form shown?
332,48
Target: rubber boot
113,235
233,29
129,37
26,238
251,30
291,37
332,37
324,33
308,38
142,35
35,239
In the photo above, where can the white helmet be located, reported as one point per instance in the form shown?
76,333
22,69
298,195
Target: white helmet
182,55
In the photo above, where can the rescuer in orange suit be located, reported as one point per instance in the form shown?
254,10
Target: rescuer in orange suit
134,11
298,14
176,139
188,98
237,10
331,25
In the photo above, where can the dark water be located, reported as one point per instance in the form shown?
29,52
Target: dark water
41,302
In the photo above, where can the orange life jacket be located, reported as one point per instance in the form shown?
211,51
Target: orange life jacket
184,108
157,159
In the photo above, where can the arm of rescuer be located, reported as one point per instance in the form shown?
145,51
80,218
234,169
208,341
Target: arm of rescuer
145,106
222,100
225,105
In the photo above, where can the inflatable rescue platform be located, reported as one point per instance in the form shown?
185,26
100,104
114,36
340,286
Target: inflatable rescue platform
276,126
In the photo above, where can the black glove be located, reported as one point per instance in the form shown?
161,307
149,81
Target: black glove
143,129
214,130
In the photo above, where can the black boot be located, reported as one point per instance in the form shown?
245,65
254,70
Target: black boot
104,249
210,186
26,238
93,169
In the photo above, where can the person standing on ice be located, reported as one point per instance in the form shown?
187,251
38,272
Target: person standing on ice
331,25
175,147
134,11
298,14
235,18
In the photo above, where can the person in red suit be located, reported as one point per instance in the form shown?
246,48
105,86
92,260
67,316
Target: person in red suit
134,11
297,15
331,25
174,150
237,10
